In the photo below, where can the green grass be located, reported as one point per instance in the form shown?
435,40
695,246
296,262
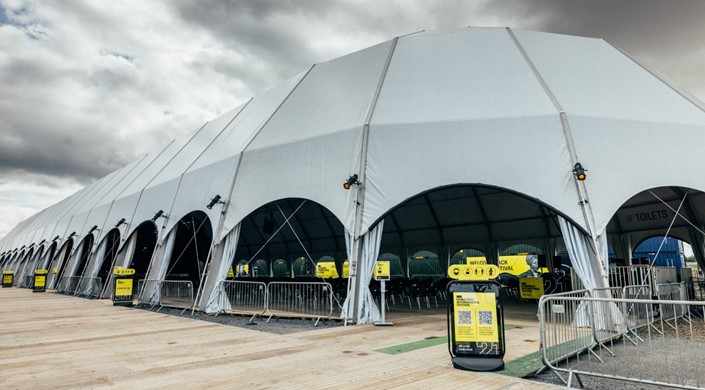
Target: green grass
425,343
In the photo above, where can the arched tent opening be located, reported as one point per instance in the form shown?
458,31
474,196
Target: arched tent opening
461,223
110,246
85,246
280,268
59,262
23,268
294,233
136,253
144,240
17,261
48,256
652,219
192,243
662,251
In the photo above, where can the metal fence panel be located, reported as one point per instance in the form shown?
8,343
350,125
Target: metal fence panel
300,299
243,297
68,285
176,293
648,357
89,287
565,325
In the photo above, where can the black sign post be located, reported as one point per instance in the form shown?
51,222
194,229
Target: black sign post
475,321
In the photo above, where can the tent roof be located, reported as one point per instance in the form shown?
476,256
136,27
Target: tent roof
501,108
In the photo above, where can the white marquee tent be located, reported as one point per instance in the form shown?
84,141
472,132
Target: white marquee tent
459,138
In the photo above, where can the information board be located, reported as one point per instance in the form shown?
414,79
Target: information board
530,288
382,270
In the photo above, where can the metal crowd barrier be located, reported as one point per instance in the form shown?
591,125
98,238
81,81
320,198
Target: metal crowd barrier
68,285
176,293
300,299
243,297
89,287
169,293
646,357
671,292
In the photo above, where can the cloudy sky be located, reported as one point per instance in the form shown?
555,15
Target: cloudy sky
89,86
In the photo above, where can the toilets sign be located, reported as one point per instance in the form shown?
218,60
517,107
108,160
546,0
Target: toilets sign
645,217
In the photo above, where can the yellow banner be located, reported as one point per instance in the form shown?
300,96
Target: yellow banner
326,270
40,281
382,270
515,264
123,287
530,288
475,317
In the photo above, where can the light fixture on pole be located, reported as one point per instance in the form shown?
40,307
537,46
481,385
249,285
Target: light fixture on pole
94,228
352,181
579,172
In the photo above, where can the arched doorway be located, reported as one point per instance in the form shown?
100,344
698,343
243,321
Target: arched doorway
85,246
192,244
58,263
110,248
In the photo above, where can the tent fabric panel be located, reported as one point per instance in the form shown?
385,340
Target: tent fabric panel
482,75
198,186
246,124
313,169
589,77
155,198
335,96
620,156
527,155
196,146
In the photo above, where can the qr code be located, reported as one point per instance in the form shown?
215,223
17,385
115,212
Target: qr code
464,317
485,317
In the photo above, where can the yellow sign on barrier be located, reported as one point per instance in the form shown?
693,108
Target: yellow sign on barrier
530,288
326,270
382,270
123,271
346,270
473,272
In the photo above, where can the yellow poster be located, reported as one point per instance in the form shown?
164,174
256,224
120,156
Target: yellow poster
475,317
477,260
530,288
39,281
382,270
123,287
346,270
326,270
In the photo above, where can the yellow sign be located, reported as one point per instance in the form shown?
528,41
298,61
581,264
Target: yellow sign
55,270
473,272
123,287
475,317
382,270
530,288
40,272
346,270
123,271
7,278
39,281
231,273
326,270
477,260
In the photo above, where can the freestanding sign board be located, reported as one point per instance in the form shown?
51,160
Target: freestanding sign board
475,320
382,274
122,286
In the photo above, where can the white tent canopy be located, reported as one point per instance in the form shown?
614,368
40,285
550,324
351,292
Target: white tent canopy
493,119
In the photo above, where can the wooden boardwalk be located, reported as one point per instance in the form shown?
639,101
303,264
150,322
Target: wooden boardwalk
50,341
